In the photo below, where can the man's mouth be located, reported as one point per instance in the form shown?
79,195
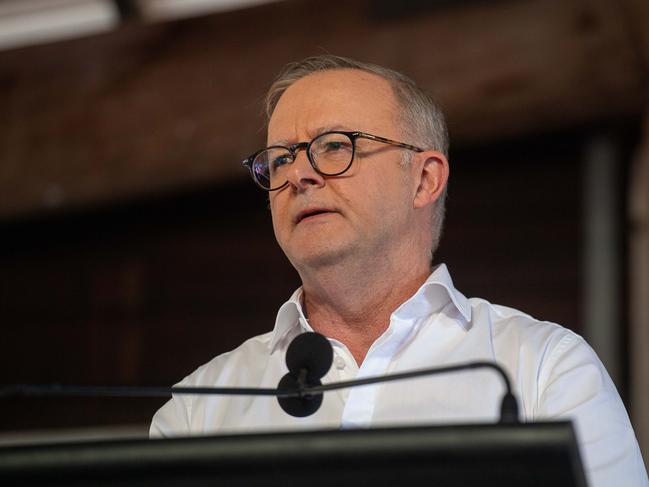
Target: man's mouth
310,213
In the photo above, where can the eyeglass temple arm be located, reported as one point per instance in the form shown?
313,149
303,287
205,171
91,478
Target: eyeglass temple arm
387,141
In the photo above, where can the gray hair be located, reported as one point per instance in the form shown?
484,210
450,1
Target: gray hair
420,115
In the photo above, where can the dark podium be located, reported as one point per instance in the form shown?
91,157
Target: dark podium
534,454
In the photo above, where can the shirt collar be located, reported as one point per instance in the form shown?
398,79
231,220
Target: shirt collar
434,294
289,317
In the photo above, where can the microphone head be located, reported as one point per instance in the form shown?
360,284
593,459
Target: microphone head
298,406
310,351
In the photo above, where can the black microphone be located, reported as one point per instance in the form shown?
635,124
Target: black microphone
308,358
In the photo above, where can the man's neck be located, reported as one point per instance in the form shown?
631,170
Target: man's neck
353,305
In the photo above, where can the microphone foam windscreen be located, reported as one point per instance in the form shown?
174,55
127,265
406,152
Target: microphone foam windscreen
310,351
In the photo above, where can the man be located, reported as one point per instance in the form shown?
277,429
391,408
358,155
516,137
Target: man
356,169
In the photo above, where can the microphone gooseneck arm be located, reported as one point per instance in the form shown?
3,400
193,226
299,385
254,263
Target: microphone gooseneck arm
509,406
300,392
130,391
60,390
411,374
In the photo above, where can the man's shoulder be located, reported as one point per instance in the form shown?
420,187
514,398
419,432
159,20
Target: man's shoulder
227,367
512,325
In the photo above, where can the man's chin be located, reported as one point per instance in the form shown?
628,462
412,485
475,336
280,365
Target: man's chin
319,257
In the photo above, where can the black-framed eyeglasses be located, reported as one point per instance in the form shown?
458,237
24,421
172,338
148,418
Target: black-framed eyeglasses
330,154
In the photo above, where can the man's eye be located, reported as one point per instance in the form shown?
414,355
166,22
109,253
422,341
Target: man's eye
280,161
336,146
333,146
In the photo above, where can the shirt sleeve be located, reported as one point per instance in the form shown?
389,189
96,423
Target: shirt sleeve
172,419
573,384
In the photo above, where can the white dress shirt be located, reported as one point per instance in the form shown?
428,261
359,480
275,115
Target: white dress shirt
555,375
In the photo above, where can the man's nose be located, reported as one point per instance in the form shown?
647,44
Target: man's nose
301,173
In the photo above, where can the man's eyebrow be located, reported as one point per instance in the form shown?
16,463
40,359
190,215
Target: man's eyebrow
330,128
282,142
313,134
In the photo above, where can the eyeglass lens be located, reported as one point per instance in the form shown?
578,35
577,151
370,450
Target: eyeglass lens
330,153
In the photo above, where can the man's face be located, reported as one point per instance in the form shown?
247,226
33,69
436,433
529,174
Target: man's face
361,214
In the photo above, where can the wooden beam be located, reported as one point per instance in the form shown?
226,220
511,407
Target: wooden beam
153,108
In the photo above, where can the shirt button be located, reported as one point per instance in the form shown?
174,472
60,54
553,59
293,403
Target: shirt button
340,363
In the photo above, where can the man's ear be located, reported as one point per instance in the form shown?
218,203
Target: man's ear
431,176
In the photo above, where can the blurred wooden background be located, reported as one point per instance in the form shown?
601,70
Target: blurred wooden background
133,248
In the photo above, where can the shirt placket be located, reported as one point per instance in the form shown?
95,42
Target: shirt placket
343,368
361,401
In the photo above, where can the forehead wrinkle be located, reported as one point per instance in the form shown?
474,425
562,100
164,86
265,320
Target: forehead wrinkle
330,128
313,134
